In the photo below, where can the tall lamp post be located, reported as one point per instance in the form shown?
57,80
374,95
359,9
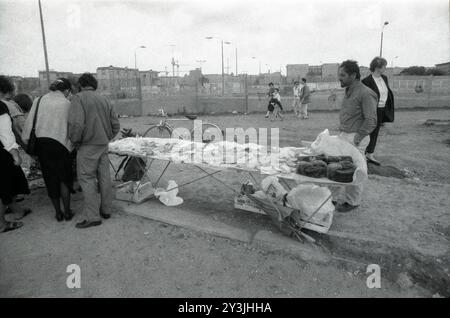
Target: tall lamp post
138,78
381,46
200,62
259,63
135,61
223,72
392,63
44,43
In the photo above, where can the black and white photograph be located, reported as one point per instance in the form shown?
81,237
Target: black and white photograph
225,154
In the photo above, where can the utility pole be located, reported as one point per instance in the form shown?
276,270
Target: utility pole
236,63
381,45
223,75
44,43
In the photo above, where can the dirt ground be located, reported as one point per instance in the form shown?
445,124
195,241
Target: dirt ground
131,256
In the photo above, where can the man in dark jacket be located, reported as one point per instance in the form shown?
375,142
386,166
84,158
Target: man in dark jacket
93,123
378,82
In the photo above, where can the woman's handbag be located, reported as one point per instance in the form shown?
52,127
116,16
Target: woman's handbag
31,146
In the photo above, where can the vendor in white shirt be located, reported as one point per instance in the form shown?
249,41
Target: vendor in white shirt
378,82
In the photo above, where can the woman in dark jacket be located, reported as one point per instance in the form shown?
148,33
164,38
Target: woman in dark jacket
385,112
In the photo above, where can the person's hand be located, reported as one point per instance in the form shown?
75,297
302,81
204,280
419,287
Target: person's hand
16,157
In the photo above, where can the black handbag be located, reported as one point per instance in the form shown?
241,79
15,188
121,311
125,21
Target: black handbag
31,146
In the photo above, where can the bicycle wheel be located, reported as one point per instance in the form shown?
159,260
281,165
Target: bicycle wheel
158,131
210,133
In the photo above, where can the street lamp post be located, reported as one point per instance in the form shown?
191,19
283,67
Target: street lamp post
236,63
381,46
200,62
135,60
223,72
138,78
44,43
392,63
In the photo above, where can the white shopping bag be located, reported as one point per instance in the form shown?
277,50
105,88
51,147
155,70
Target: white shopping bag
169,197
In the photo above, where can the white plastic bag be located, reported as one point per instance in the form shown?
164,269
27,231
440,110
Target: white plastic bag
308,197
336,146
169,197
272,187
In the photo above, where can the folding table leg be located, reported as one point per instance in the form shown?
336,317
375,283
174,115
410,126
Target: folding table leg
157,181
226,185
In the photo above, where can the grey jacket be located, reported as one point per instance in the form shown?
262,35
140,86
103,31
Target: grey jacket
304,95
92,119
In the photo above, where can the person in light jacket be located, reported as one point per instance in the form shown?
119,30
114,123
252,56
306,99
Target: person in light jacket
378,82
93,123
357,119
296,101
53,146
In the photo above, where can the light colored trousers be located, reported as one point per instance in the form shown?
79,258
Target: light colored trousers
304,110
296,106
95,180
351,194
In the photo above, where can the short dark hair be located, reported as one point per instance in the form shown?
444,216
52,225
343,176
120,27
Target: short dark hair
88,80
377,62
351,67
277,89
296,82
24,101
303,80
6,85
61,84
270,84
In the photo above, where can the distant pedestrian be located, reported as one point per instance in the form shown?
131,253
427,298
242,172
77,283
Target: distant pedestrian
296,102
378,82
304,99
270,107
93,123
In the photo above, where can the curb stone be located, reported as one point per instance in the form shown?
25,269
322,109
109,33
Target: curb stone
186,219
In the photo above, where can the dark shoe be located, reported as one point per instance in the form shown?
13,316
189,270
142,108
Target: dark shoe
59,217
105,215
69,215
11,226
345,207
85,224
25,213
370,158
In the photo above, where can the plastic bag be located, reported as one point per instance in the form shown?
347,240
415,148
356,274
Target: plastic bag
169,197
336,146
273,188
307,198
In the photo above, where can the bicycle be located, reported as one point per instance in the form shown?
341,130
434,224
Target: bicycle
164,130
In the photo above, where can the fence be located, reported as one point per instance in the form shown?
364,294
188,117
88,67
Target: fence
246,97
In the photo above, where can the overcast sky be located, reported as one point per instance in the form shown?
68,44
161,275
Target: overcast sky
82,35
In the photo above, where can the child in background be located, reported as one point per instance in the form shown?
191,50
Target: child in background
278,108
270,107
